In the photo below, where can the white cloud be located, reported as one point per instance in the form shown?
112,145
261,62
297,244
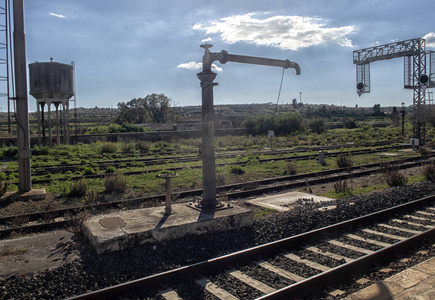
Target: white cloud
57,15
197,66
209,39
430,39
285,32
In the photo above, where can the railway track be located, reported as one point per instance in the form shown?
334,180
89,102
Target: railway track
165,161
293,267
193,157
59,218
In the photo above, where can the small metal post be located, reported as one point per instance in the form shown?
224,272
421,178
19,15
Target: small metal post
322,157
168,177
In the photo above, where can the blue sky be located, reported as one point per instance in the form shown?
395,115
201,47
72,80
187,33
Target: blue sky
129,49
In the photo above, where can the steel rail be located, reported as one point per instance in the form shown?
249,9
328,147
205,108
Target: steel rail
243,163
38,170
248,255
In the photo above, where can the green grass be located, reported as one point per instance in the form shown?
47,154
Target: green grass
263,211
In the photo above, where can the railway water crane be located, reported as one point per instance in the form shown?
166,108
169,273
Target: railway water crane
419,74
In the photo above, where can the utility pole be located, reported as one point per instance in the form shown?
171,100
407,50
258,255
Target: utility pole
23,135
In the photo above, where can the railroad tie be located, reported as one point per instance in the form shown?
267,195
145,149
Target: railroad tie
426,213
251,281
350,247
329,254
307,262
419,218
169,294
411,223
400,229
214,289
387,235
280,272
374,242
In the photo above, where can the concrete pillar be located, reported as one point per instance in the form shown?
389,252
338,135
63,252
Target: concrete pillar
56,104
209,201
50,133
66,122
38,118
22,105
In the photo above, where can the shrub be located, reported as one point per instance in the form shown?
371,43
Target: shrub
317,125
429,171
3,186
344,161
423,151
89,171
392,175
108,148
126,147
110,169
341,187
143,145
10,152
238,170
290,169
115,183
40,150
78,188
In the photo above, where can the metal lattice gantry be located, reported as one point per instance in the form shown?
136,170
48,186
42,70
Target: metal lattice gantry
419,75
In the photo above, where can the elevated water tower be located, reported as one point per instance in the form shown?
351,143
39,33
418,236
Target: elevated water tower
52,83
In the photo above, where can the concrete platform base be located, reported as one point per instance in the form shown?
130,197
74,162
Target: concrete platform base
34,194
283,202
122,230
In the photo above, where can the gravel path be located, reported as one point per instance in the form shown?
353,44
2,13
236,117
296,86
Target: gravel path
81,270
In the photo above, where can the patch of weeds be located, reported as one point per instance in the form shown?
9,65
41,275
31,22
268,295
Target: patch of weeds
89,171
237,170
108,147
429,171
263,211
143,145
8,251
78,188
115,183
423,151
344,161
110,169
290,169
341,187
392,176
3,186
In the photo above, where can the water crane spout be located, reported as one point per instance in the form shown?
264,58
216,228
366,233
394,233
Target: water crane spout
223,57
209,201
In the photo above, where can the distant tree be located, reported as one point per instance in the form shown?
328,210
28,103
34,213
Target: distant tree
349,124
395,117
295,103
377,111
317,125
282,124
154,108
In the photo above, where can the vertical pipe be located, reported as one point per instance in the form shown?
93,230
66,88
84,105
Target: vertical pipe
208,202
23,136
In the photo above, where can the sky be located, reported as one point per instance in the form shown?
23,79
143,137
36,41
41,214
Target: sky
133,48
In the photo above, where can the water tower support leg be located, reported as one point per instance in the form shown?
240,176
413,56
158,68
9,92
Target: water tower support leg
57,124
50,134
38,116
